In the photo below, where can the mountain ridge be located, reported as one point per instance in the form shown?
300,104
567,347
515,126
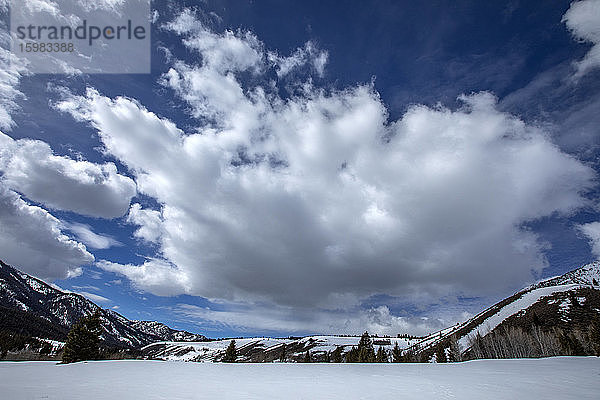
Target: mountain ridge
549,297
567,302
26,295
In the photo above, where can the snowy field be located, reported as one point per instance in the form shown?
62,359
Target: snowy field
550,378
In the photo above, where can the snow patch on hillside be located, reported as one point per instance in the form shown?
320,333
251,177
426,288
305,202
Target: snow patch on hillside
517,306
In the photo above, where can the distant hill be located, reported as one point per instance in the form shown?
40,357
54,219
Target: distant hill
30,307
557,310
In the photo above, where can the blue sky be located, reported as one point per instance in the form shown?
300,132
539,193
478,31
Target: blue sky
306,167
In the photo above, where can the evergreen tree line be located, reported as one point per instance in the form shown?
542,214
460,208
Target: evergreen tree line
365,353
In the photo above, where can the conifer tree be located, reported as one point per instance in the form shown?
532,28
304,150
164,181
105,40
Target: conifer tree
536,319
352,355
336,355
231,353
381,356
595,335
83,340
396,354
366,353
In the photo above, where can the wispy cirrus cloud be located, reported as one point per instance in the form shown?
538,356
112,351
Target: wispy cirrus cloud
583,20
87,236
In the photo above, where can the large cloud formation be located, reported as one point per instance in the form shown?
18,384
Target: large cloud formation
318,198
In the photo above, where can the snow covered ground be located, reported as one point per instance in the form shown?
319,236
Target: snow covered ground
550,378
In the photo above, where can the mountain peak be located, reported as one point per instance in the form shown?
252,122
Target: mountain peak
587,275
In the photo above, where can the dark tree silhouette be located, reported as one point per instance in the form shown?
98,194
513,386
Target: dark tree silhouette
440,354
381,356
366,353
352,355
336,355
83,340
396,354
231,353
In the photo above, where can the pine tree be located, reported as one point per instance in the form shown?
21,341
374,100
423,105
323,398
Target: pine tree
382,356
352,355
336,355
366,353
231,353
83,340
570,345
396,354
536,319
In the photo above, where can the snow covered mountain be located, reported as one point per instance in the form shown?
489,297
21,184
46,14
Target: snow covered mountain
31,307
567,302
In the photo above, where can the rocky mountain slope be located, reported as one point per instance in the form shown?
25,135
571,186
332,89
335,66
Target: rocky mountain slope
31,307
569,302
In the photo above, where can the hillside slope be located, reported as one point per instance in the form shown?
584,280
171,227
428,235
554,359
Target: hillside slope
568,302
266,349
31,307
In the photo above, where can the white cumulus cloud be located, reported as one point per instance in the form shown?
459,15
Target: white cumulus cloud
149,222
155,276
320,199
307,55
12,69
31,168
